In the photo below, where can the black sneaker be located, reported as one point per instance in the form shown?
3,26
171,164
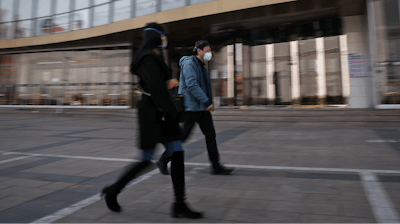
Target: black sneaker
221,170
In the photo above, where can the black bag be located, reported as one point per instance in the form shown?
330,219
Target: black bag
179,104
177,99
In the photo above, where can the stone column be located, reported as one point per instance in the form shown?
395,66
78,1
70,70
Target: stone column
344,52
321,71
295,72
231,74
270,86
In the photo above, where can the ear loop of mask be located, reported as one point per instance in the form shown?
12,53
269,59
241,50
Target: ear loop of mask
199,49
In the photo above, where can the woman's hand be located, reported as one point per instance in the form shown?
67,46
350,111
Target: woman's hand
173,83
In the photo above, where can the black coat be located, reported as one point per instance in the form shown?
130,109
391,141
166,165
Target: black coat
154,74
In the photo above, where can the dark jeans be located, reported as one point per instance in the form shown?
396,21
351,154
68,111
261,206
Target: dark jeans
204,119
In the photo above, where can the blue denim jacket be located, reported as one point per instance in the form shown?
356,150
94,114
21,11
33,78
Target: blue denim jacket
195,84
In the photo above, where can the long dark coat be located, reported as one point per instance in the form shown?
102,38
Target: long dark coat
153,74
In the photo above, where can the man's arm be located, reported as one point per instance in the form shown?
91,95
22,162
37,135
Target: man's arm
190,75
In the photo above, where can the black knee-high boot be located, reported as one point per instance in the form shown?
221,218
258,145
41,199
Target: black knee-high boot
110,193
179,208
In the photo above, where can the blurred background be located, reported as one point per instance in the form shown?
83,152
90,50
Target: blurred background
265,52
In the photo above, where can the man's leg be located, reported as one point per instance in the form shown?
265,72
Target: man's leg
207,127
189,119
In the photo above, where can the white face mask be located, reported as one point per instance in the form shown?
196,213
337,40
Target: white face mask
207,56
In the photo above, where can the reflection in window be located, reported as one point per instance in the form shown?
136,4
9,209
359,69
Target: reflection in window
145,7
81,4
171,4
60,23
101,15
44,8
122,10
193,2
23,29
45,26
80,20
6,31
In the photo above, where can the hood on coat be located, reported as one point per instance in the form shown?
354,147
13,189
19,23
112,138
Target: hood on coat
138,57
186,59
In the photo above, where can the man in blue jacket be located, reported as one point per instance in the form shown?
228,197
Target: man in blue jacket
196,87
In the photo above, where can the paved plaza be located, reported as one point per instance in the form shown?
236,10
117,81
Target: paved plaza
52,168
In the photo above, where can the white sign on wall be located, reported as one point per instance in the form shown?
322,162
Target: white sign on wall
357,65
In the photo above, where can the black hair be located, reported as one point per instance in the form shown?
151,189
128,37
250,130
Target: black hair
201,44
151,38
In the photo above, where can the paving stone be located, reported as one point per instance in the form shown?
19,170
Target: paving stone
24,192
20,216
311,218
26,183
304,208
74,220
11,201
257,216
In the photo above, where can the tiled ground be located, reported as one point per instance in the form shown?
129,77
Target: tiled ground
68,166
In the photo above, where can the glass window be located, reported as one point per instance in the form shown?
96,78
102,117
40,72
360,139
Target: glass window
122,10
44,8
171,4
62,6
98,2
25,9
7,6
282,75
80,20
101,15
193,2
333,70
44,26
81,4
145,7
308,72
257,72
6,31
60,23
23,29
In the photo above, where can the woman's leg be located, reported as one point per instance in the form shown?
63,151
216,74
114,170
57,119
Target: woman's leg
110,193
179,209
163,161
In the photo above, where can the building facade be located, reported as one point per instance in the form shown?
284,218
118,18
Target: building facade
266,52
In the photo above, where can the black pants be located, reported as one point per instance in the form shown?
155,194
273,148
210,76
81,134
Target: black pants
206,124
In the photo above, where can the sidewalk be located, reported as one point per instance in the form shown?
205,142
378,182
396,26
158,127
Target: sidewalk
53,167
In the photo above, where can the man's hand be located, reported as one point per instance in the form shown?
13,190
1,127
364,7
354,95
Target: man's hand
173,83
211,108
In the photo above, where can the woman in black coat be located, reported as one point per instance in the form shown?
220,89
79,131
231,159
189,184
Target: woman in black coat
157,122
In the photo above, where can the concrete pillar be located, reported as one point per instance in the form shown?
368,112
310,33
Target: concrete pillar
231,71
270,86
295,71
246,74
344,52
321,70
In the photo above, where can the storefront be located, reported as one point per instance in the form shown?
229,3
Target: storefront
96,76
